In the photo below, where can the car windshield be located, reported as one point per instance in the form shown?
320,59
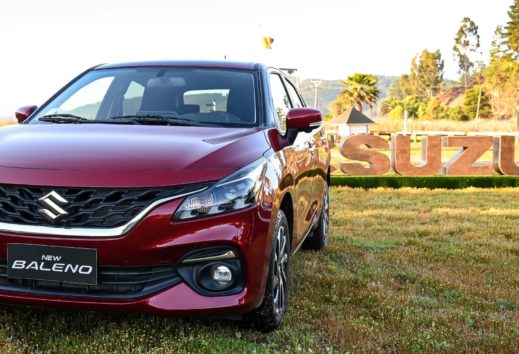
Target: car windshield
157,95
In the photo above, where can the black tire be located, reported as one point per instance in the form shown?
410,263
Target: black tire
269,315
319,238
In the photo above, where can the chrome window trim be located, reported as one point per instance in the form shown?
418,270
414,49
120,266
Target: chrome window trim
89,232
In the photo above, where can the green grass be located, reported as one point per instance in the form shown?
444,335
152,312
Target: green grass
407,270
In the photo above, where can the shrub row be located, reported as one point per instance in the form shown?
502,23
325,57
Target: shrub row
432,182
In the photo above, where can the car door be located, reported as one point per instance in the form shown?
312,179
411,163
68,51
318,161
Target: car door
301,161
316,141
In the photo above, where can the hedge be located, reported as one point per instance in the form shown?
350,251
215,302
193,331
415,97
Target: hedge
431,182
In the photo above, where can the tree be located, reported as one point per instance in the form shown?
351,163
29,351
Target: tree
406,85
470,103
389,104
466,44
502,73
502,79
435,110
456,113
396,90
499,46
337,106
361,89
412,105
425,78
397,112
512,29
428,75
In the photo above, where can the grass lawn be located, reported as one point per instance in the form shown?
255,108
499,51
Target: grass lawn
407,270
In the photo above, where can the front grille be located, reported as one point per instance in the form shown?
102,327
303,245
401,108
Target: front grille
113,282
86,207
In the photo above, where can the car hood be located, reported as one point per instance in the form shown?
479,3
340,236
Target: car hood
124,155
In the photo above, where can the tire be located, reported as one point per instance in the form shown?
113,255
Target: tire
270,314
319,239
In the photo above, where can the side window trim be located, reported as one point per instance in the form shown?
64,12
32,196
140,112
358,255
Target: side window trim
282,78
288,83
280,126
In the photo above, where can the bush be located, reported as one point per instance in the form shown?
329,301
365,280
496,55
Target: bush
430,182
388,104
412,105
397,112
456,113
435,110
395,108
422,111
470,103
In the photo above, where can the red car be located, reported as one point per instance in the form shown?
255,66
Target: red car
169,187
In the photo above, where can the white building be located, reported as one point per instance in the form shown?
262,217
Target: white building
351,122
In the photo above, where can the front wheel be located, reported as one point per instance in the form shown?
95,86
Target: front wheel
272,310
319,239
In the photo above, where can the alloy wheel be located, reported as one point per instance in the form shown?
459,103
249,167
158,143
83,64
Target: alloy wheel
281,271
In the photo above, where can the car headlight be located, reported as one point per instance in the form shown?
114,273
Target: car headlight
237,191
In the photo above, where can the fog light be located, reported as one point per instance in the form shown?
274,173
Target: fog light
222,275
215,271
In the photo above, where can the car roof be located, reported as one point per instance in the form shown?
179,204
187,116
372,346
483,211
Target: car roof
221,64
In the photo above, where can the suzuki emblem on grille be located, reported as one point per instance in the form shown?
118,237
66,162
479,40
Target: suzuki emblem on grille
52,202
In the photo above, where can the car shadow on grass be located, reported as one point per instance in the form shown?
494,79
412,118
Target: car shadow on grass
63,330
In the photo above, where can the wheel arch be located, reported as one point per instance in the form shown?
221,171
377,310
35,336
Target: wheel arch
287,205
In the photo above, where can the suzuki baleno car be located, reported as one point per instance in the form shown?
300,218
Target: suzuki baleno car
168,187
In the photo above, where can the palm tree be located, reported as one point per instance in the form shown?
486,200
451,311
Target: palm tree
361,89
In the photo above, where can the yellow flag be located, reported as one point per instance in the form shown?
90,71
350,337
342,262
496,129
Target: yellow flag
267,42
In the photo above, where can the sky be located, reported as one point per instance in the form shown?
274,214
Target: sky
45,44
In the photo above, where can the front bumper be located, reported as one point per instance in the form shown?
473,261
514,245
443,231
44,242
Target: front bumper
158,241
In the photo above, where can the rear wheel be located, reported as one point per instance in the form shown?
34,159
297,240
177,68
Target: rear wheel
272,310
319,239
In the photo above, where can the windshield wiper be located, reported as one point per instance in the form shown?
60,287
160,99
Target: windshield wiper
162,119
63,118
133,119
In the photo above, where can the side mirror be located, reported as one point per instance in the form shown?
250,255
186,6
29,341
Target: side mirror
304,119
24,112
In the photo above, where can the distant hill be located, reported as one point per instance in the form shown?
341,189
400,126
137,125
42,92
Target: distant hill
452,97
330,90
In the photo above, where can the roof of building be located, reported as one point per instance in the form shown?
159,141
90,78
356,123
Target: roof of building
351,116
